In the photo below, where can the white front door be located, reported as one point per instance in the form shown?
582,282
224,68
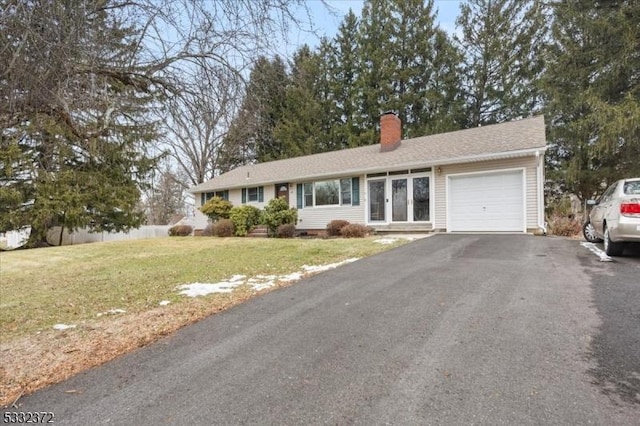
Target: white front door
399,199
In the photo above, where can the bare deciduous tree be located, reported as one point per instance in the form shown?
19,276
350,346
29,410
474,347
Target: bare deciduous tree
198,120
82,84
165,197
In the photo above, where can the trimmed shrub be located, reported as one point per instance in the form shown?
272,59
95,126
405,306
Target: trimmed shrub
180,231
355,230
217,208
334,227
287,230
208,230
223,228
244,219
276,213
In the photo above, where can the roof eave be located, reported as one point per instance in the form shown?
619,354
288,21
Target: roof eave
359,171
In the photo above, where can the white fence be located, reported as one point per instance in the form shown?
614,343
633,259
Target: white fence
83,236
14,239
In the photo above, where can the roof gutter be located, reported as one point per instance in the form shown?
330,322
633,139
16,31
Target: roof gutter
432,163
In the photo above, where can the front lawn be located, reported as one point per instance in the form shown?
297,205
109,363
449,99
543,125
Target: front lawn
69,284
79,285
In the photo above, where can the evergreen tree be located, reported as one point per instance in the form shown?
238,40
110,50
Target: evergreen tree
250,137
331,137
443,109
376,67
593,90
502,41
409,66
300,129
73,119
343,61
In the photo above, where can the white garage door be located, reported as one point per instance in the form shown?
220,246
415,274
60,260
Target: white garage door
486,202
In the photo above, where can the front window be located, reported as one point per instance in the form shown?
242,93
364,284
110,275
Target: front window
327,193
345,191
334,192
252,194
308,194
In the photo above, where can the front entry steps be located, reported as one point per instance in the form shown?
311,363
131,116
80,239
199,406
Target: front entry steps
259,231
403,229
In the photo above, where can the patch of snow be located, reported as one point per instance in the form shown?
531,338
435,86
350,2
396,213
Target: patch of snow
63,326
257,283
595,250
259,278
295,276
164,302
202,289
260,282
262,286
385,240
322,268
111,312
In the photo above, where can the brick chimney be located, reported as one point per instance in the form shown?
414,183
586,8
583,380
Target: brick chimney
390,132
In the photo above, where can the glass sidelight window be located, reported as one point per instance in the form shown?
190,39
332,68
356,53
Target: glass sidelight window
421,199
377,200
400,199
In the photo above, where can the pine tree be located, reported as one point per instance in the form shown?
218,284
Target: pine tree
300,129
376,68
408,66
250,137
343,60
73,121
502,41
593,90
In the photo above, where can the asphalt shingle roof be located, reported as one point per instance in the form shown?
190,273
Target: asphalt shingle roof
514,138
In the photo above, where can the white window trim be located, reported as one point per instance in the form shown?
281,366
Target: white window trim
249,200
326,206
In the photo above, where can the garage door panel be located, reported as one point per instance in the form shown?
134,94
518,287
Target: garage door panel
487,202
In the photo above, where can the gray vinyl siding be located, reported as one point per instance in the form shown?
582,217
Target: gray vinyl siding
235,196
319,217
528,163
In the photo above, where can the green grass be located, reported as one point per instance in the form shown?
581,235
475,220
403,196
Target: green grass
42,287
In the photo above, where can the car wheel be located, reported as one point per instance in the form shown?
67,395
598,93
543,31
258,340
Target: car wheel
611,248
589,233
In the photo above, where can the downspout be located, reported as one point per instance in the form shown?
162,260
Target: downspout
540,187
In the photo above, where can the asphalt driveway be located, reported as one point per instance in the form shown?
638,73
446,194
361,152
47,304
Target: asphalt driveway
452,329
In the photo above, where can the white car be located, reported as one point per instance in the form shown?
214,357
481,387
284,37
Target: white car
615,217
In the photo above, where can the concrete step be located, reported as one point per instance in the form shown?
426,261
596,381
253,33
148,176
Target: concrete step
399,229
258,232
